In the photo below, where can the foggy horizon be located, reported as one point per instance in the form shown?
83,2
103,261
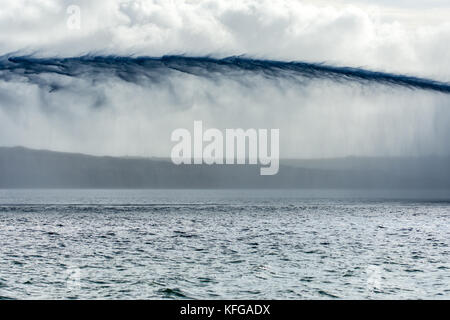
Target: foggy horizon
167,158
27,168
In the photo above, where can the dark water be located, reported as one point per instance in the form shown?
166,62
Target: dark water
224,244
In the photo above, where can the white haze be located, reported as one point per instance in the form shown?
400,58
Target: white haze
317,119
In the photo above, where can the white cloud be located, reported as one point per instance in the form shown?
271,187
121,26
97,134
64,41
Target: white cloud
357,33
317,119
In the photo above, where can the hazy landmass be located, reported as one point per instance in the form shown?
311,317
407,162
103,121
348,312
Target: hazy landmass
26,168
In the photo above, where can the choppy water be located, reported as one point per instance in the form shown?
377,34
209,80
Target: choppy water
224,244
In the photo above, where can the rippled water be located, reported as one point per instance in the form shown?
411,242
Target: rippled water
199,244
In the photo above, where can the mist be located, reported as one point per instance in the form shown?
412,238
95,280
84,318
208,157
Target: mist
337,78
129,106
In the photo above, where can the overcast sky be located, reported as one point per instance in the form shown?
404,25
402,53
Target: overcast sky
319,119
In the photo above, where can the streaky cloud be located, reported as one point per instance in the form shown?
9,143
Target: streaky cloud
154,69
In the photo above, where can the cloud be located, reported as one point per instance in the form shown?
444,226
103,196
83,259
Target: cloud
124,105
133,110
156,69
346,34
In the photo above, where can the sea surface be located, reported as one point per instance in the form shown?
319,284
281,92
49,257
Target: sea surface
224,244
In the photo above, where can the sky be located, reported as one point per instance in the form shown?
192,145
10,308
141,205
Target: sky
317,118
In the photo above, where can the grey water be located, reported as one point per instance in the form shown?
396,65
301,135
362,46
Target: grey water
224,244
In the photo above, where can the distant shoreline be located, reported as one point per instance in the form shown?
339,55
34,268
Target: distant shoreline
28,168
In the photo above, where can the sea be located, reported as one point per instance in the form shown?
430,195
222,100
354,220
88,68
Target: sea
224,244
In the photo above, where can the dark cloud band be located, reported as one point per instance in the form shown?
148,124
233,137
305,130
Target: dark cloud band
139,69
